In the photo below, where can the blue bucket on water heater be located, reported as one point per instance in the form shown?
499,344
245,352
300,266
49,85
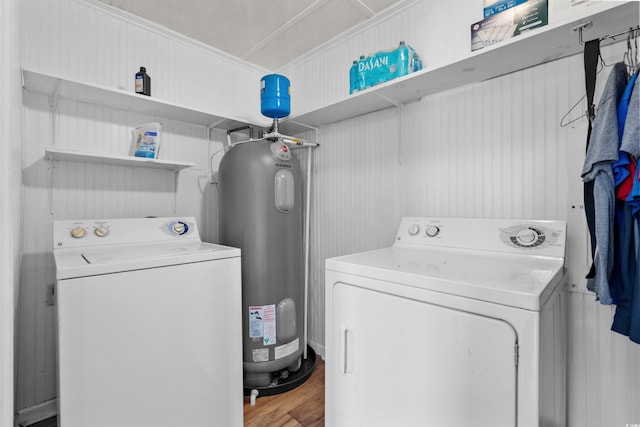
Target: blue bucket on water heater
275,96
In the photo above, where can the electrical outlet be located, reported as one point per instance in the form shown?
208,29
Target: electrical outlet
51,295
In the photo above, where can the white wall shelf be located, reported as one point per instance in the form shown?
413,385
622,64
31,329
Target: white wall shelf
554,41
56,86
52,153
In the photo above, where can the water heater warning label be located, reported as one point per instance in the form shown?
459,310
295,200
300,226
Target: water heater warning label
260,355
262,323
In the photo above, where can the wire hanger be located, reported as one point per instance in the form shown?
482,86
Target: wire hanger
630,58
631,55
586,112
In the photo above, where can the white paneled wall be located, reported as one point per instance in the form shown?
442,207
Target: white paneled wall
356,196
10,198
82,40
491,149
603,369
438,30
487,150
68,190
418,23
496,149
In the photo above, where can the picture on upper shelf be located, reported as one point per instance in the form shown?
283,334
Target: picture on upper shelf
509,23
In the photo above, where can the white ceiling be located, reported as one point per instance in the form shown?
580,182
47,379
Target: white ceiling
268,33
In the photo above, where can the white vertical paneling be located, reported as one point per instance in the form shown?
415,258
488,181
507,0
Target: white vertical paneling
82,40
34,320
10,199
438,30
328,68
66,190
486,150
208,190
356,193
604,373
490,149
88,41
525,165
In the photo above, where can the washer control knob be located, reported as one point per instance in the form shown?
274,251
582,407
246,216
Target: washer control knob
432,230
101,231
527,236
78,232
413,229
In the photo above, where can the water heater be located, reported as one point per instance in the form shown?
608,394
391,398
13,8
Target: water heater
260,211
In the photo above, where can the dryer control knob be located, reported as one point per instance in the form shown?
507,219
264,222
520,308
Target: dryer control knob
179,228
78,232
432,230
413,229
527,236
101,231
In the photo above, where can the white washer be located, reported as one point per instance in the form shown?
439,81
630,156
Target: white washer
459,323
149,325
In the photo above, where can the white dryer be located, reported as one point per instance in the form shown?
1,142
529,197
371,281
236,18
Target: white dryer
459,323
149,325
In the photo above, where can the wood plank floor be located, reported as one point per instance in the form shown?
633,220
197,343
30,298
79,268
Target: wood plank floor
300,407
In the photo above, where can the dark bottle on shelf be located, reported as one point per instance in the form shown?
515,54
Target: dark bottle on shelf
143,82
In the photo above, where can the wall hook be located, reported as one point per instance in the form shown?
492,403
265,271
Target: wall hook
581,27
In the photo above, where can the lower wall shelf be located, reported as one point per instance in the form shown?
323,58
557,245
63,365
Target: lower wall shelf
80,156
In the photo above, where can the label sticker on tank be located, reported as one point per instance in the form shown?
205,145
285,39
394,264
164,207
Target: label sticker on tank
260,355
255,322
287,349
262,323
269,313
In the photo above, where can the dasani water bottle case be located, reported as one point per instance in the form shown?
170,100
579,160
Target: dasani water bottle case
383,66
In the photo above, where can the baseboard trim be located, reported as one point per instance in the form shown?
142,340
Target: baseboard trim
318,348
37,413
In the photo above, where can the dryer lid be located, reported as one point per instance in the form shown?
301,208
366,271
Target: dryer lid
508,279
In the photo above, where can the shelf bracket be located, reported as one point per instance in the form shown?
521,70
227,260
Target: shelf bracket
389,100
54,102
54,99
176,180
397,104
49,184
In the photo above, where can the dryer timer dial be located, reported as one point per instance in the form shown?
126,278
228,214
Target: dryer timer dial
178,228
528,237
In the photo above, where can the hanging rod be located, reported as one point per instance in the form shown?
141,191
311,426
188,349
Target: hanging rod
589,24
613,36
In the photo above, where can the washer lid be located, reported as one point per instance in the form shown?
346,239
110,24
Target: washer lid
91,261
121,255
508,279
